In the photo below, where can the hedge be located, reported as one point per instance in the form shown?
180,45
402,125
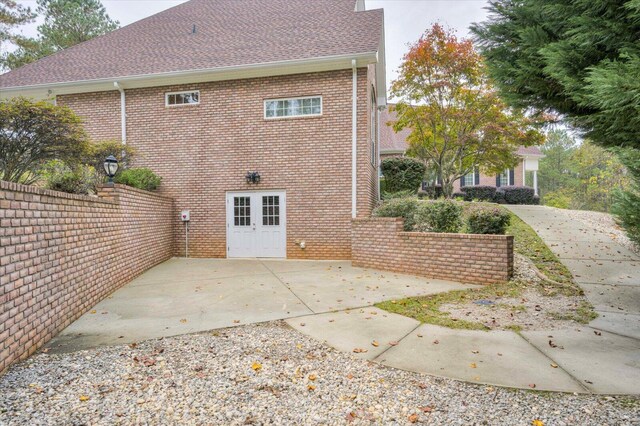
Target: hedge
479,192
402,174
519,195
487,220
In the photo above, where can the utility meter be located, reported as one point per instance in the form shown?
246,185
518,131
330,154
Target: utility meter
185,215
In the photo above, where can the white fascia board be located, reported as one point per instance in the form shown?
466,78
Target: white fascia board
327,63
392,151
381,70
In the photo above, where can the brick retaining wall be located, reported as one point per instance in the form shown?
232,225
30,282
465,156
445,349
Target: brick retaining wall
60,254
480,259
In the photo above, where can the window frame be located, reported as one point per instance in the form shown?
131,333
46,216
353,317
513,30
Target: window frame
473,179
183,92
506,173
294,98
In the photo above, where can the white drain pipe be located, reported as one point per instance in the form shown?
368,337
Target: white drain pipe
354,137
123,112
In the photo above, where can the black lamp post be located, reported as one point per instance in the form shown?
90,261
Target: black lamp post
110,167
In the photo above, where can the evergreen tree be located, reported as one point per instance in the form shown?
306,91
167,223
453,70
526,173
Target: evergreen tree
577,58
13,15
66,23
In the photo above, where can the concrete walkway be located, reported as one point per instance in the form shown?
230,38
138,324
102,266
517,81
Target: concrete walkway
332,302
603,357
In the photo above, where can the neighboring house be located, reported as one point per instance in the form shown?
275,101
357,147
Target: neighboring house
394,144
210,90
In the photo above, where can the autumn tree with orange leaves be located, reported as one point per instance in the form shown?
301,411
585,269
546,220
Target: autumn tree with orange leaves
456,118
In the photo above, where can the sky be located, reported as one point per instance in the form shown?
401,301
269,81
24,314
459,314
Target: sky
405,20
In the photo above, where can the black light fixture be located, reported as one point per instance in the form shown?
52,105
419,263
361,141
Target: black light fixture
110,167
252,177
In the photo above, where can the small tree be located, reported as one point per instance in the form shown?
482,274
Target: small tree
456,119
32,133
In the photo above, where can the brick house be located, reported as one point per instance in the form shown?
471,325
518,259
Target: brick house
394,144
208,91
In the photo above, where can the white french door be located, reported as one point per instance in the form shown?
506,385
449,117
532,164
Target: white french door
256,224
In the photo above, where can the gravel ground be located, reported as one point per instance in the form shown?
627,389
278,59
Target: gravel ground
268,374
530,311
604,223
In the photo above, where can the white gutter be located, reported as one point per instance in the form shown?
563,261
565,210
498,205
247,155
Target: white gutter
354,137
326,63
123,112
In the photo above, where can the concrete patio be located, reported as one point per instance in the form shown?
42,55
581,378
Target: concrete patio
184,296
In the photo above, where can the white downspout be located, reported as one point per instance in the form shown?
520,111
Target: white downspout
378,153
123,112
524,171
354,137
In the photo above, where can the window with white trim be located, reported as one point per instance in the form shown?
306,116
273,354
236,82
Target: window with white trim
504,178
293,107
470,179
191,97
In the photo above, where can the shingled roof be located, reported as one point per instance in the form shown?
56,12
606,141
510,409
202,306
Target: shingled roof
212,34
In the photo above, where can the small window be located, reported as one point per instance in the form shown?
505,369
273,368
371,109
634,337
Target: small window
504,178
469,179
182,98
293,107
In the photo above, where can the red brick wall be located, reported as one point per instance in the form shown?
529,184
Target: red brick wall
99,111
60,254
480,259
203,151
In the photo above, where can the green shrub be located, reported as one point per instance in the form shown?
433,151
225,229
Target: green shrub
139,178
557,199
439,216
399,207
627,202
402,174
432,192
518,194
487,220
458,196
479,192
399,194
58,176
499,197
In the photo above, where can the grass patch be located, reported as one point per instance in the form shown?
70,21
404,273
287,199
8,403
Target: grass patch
427,309
584,314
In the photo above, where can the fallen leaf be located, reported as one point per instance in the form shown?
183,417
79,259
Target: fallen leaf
473,365
312,377
84,398
360,350
93,311
302,324
183,320
299,346
311,387
554,365
532,385
413,418
435,342
256,366
597,333
420,335
236,321
537,422
475,352
351,416
425,409
394,343
375,343
349,376
552,344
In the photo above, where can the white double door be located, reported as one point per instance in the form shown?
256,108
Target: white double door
256,224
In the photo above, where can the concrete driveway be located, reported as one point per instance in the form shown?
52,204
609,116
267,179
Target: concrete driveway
184,296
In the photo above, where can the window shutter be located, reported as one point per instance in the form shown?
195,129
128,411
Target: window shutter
498,181
462,182
476,180
512,176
